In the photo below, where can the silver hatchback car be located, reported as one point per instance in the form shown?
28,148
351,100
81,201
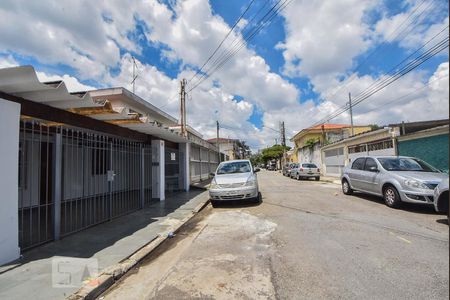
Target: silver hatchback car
234,180
305,170
396,178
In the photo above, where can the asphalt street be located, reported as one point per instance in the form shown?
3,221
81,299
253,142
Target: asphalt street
306,240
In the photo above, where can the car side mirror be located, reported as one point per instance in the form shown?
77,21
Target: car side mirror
256,170
212,174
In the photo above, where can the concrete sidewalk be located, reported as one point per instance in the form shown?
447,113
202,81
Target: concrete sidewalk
107,244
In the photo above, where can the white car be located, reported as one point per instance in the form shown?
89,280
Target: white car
234,180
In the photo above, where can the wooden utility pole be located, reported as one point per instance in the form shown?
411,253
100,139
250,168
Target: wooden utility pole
183,107
351,112
217,141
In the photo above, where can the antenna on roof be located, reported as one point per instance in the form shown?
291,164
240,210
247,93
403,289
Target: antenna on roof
135,76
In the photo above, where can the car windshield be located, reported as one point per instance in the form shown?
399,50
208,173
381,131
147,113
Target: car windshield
309,166
405,164
234,167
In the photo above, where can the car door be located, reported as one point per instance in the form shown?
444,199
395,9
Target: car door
355,173
370,175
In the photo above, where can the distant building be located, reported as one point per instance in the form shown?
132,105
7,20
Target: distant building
309,141
232,148
427,140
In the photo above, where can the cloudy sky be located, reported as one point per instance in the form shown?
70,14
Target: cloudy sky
298,69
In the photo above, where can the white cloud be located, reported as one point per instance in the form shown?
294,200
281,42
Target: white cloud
322,41
72,83
412,27
323,37
8,61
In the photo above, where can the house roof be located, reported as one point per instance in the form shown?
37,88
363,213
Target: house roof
411,127
329,126
116,106
326,127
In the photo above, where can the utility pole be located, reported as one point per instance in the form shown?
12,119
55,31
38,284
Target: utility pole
133,82
183,107
283,141
217,141
351,112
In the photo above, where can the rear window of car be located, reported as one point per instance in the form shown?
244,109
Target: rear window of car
358,164
309,166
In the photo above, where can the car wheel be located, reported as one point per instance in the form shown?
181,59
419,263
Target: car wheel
346,189
258,199
391,197
214,203
317,178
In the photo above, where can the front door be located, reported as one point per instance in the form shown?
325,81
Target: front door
370,176
356,173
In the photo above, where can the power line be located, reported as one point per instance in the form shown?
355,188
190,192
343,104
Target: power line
265,20
410,93
382,83
381,45
223,40
236,38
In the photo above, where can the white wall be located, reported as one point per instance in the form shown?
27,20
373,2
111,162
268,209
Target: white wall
9,153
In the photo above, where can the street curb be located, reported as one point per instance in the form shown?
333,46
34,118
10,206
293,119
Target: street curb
336,181
111,274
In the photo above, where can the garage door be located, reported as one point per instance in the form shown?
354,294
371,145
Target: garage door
334,161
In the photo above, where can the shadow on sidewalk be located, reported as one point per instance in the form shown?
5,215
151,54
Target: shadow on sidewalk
88,242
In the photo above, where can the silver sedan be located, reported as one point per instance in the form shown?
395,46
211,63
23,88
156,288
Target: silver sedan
396,178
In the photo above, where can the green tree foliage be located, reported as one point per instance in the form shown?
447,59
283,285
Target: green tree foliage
274,152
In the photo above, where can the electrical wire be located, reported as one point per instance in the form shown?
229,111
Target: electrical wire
223,40
248,36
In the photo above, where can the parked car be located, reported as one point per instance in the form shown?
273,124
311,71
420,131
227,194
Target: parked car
292,169
396,178
287,168
271,167
234,180
305,170
441,197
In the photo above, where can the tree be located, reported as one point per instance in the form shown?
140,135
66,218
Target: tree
374,126
274,152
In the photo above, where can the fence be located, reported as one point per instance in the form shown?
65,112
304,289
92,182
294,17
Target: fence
203,162
71,179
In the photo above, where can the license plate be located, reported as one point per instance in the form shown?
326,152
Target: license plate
231,193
